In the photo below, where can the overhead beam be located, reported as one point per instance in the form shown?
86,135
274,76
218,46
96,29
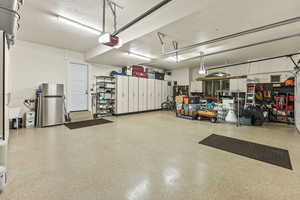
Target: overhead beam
245,46
253,61
236,48
235,35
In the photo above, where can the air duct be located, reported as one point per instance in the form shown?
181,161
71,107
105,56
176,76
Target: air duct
9,17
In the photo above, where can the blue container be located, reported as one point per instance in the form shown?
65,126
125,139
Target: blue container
194,107
114,73
186,107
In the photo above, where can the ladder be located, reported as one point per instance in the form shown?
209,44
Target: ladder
250,94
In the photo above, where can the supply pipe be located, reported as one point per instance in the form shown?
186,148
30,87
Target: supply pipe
147,13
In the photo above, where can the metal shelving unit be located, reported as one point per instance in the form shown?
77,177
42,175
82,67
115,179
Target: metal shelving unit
104,96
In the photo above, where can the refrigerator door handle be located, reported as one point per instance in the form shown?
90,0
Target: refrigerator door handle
8,98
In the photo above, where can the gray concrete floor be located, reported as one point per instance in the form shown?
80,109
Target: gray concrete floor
149,156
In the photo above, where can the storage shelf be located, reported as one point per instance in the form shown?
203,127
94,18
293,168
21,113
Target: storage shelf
106,82
105,77
104,87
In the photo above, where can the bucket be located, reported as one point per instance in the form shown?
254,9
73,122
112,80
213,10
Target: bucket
3,177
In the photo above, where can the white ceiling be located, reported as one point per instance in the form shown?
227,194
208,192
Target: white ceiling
214,18
219,19
40,24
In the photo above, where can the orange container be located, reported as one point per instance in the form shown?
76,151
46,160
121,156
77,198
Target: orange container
186,100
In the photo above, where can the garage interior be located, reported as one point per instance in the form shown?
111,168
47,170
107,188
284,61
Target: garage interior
149,99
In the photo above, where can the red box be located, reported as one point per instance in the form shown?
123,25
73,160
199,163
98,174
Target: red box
136,68
140,74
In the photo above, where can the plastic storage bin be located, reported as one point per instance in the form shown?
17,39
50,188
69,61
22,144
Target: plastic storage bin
151,75
159,76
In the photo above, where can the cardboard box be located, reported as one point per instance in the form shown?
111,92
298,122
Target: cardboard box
179,99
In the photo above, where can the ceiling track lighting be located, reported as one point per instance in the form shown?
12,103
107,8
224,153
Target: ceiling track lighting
78,25
139,56
202,70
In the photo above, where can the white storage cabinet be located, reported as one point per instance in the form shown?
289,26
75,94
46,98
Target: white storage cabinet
151,94
133,94
122,94
158,94
143,96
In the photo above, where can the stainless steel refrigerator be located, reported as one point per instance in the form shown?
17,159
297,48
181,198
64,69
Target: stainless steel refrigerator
51,105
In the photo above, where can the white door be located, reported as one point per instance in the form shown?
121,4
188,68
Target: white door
122,94
151,95
158,88
133,94
143,94
78,87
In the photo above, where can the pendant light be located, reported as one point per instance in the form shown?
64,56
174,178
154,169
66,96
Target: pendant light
202,71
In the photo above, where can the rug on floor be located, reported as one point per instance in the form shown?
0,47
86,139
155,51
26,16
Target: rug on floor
268,154
87,123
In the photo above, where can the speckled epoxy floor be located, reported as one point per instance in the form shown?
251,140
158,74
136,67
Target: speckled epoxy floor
151,156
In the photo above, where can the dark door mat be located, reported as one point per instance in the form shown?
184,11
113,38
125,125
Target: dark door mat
88,123
268,154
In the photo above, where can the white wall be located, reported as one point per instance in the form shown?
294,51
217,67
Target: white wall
33,64
181,75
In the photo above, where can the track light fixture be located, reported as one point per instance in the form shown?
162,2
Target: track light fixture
202,71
